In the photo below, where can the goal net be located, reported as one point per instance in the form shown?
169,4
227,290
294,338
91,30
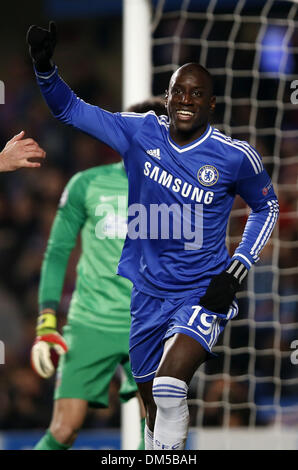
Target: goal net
251,49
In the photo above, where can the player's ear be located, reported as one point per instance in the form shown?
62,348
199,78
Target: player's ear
212,103
166,98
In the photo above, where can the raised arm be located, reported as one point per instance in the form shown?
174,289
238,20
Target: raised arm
114,129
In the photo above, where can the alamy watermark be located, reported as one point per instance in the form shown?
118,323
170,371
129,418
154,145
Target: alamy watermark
294,94
294,354
2,92
152,221
2,353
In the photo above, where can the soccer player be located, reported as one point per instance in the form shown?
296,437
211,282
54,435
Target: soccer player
17,152
96,337
183,176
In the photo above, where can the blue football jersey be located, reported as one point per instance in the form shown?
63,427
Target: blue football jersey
179,198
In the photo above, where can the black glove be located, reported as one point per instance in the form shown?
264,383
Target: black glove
42,43
222,288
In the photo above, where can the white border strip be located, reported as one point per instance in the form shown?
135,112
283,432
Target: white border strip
143,376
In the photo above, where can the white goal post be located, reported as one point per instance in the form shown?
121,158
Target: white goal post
136,87
136,62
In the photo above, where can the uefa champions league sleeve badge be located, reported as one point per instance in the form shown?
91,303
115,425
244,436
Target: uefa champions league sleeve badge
208,175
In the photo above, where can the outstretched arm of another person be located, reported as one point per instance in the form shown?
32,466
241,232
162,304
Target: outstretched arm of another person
18,151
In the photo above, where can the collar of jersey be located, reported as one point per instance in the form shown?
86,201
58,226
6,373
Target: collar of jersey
193,144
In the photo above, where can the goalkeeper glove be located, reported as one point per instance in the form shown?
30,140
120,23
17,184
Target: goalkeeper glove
222,288
48,346
42,43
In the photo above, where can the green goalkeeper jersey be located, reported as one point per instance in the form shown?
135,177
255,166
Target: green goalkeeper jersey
94,203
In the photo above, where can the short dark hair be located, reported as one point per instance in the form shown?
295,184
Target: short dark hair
154,103
200,68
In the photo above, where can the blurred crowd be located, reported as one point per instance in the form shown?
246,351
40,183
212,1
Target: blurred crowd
28,202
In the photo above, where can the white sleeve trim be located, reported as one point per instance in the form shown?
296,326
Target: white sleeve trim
46,77
244,257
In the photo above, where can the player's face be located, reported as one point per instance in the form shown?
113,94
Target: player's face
189,104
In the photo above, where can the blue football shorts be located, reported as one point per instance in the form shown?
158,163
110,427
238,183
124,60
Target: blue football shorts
153,320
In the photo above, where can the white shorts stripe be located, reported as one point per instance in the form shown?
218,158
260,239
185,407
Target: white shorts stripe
143,376
190,329
215,333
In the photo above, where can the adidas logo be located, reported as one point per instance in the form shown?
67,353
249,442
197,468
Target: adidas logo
154,153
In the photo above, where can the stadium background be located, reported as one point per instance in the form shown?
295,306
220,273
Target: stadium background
89,55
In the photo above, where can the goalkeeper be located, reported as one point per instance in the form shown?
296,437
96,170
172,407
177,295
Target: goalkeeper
95,339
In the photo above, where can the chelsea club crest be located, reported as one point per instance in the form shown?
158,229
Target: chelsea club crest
208,175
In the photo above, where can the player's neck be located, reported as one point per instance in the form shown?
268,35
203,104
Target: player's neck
184,138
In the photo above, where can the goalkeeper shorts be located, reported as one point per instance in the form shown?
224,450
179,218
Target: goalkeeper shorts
153,320
88,367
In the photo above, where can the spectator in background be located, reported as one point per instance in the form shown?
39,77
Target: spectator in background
215,415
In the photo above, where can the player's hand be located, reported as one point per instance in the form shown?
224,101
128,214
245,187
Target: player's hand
42,44
17,152
222,288
48,346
